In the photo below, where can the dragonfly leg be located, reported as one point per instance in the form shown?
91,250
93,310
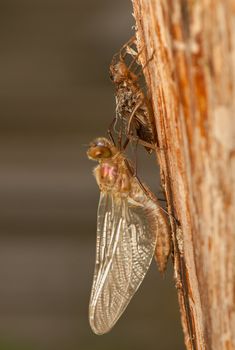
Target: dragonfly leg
125,144
123,50
146,63
132,116
110,130
135,58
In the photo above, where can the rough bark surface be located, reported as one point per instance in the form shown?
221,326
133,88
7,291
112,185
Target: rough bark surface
191,78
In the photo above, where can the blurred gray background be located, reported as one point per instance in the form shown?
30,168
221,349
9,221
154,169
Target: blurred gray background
55,96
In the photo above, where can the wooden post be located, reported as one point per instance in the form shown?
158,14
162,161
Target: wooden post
192,82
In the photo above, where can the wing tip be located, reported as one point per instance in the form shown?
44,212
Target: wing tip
97,329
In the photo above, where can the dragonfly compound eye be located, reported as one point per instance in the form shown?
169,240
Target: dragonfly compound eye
99,152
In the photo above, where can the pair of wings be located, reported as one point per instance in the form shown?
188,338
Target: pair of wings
125,248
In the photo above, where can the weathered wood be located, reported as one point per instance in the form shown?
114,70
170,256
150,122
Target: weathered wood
192,82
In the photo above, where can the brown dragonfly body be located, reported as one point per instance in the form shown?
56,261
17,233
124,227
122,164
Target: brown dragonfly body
131,228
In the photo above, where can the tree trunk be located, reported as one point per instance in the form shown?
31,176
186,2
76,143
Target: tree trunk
192,82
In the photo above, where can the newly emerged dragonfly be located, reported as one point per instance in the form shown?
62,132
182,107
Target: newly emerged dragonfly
133,106
131,228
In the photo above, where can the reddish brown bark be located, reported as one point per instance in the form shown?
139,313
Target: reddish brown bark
192,81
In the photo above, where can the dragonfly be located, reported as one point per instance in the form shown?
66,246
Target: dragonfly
133,106
131,229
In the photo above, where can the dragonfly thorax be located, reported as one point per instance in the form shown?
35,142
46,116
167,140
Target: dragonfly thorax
113,177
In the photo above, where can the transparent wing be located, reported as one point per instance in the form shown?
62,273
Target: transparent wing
125,246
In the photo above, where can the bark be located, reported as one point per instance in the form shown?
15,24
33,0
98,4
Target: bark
192,82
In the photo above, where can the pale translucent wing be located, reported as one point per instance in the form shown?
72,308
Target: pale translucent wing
125,247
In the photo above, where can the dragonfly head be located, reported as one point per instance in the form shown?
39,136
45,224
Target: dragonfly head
99,149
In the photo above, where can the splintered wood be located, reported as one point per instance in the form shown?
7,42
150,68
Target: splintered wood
192,79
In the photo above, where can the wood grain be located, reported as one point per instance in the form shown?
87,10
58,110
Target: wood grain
191,80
